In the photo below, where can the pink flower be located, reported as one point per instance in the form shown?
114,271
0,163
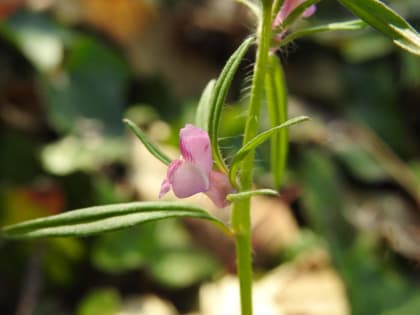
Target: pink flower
288,7
192,173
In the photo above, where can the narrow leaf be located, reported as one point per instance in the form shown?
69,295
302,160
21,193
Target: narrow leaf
255,142
99,219
338,26
147,143
203,110
218,98
251,193
276,95
385,20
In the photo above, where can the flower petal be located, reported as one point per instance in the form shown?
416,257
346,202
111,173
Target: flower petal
166,184
309,11
164,188
195,147
219,188
288,7
188,179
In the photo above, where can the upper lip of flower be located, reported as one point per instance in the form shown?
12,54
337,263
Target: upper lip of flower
195,147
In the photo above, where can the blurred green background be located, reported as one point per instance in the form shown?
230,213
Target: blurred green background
71,70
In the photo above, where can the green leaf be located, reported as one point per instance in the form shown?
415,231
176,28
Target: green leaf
204,109
147,143
337,26
218,98
276,95
255,142
99,219
251,193
386,21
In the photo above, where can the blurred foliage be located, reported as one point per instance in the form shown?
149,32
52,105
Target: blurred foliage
100,302
161,248
66,81
91,87
20,151
356,256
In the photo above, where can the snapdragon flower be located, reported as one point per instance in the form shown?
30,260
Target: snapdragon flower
192,173
286,9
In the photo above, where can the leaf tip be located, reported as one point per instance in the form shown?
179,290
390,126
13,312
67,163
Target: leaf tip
127,121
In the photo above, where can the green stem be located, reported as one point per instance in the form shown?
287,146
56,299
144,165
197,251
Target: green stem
241,215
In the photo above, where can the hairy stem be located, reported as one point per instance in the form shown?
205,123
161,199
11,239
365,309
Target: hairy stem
241,216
